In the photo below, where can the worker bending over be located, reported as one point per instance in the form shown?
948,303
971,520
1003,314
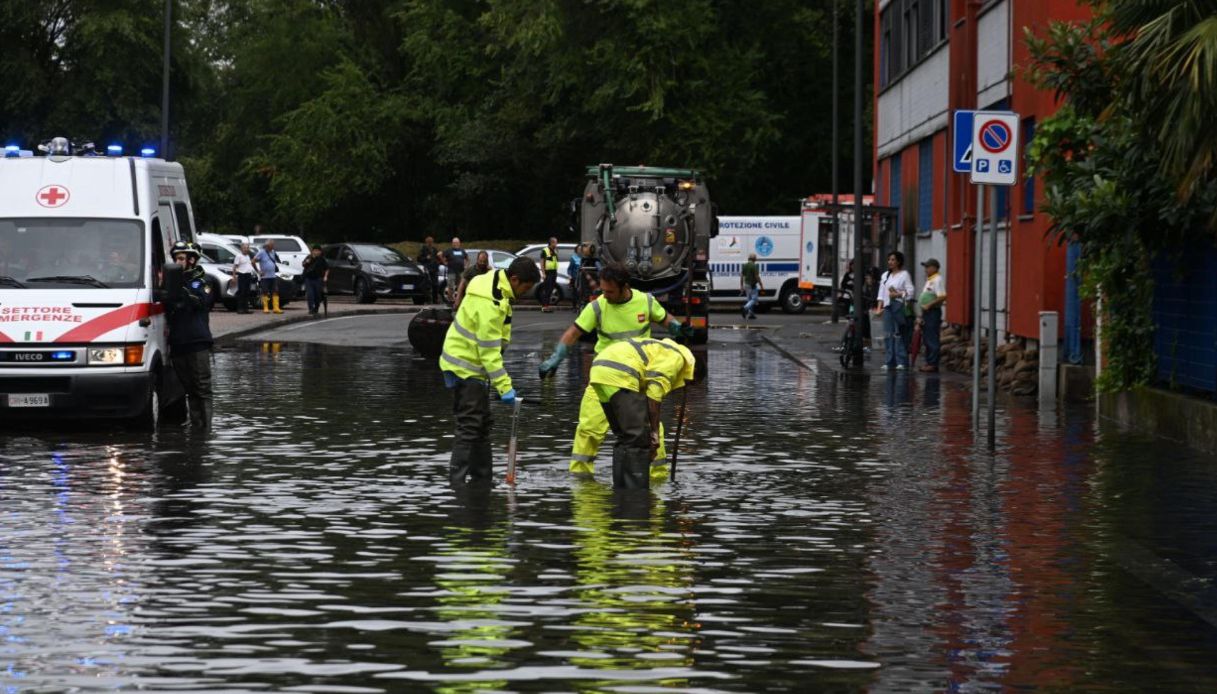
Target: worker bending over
631,378
620,313
472,362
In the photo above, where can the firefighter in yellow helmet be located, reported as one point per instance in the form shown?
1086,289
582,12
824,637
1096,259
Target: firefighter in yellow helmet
620,313
631,378
472,362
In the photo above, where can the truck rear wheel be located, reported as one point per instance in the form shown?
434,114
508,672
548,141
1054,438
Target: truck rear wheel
791,300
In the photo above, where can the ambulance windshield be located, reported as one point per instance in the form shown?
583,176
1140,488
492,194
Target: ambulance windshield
71,253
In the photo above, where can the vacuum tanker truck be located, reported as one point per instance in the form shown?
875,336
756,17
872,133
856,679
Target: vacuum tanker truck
658,223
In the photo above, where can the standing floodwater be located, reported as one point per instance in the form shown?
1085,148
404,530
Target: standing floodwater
824,534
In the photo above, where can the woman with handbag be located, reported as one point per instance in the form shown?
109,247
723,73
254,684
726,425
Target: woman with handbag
896,290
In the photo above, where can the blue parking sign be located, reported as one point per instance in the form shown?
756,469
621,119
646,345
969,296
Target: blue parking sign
962,162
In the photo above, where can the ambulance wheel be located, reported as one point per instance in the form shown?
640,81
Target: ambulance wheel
791,300
149,418
363,293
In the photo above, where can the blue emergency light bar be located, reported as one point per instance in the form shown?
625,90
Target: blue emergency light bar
12,150
147,152
114,150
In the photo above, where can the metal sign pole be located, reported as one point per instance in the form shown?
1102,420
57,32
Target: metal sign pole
993,319
977,228
836,168
859,87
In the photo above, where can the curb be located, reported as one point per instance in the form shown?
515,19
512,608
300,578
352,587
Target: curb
254,330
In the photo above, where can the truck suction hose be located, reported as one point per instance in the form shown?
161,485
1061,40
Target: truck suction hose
606,180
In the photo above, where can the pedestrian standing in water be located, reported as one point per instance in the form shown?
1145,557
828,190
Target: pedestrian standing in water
189,334
750,286
895,291
316,273
933,297
472,364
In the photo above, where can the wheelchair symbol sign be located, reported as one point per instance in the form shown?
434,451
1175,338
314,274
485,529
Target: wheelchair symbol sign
1005,166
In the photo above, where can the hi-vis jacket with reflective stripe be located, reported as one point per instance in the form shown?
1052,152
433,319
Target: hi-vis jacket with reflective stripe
473,347
616,322
550,258
656,367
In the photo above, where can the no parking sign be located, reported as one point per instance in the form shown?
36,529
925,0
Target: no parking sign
995,148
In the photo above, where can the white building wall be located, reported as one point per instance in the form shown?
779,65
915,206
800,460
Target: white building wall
993,66
914,107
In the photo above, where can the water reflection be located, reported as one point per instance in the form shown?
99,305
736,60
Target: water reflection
826,532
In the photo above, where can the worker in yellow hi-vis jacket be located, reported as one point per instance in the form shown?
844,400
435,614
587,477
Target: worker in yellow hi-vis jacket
620,313
631,378
472,362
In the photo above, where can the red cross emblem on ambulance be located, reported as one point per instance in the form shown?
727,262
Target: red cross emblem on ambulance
53,196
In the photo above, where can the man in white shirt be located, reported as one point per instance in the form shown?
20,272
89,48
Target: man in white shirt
933,296
243,269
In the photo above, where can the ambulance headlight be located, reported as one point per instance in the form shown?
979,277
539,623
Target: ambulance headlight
377,269
126,355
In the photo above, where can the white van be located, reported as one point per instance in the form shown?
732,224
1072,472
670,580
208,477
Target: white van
82,240
775,241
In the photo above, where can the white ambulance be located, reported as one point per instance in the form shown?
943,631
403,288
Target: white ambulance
83,236
775,241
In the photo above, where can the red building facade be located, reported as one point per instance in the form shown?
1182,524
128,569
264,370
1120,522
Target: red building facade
933,57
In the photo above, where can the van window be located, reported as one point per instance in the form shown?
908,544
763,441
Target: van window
185,228
165,214
282,244
218,254
158,246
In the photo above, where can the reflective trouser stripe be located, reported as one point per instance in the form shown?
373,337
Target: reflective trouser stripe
589,433
610,364
469,335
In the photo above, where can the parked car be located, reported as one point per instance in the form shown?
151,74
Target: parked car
370,270
217,260
563,291
499,260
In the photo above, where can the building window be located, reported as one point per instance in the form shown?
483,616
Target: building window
1029,182
908,31
925,184
893,193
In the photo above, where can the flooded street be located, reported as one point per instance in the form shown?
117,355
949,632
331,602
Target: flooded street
826,533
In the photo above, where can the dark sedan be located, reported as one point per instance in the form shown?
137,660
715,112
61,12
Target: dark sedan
370,270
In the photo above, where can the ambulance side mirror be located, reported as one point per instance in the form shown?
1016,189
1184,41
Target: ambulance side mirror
170,289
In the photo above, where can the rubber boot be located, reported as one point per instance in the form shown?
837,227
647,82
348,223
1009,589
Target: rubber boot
631,468
460,463
481,463
265,304
275,299
200,414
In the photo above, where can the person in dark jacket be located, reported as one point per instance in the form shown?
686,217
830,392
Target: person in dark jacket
428,258
316,273
190,335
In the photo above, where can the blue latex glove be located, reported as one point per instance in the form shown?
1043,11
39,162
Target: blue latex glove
678,330
508,398
549,366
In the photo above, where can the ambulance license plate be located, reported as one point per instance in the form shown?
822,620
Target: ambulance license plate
29,400
407,286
